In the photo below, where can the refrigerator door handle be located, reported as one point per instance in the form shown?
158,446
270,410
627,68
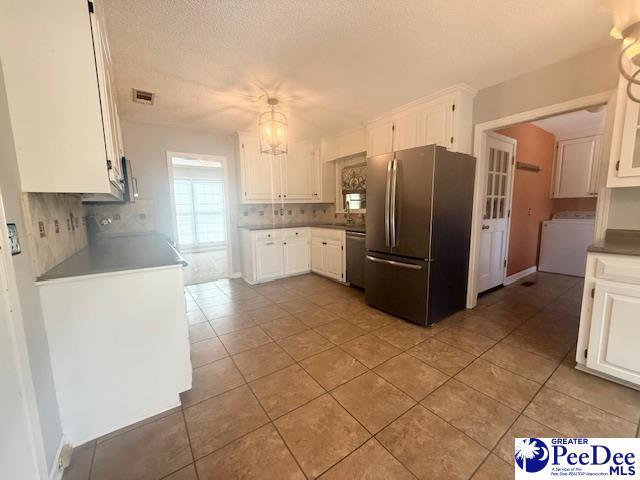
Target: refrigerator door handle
395,263
392,202
386,205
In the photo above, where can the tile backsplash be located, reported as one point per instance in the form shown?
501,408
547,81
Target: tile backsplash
56,227
268,214
135,217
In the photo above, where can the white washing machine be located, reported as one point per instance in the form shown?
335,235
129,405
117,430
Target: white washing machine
565,238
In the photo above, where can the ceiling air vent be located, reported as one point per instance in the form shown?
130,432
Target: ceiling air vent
140,96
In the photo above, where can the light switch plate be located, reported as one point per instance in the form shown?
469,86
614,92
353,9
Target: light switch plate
14,241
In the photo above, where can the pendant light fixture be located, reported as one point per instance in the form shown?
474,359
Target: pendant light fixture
273,130
630,58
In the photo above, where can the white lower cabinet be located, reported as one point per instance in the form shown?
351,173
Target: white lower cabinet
296,255
327,253
269,260
610,319
276,253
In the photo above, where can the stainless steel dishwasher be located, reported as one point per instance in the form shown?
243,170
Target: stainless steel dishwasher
356,252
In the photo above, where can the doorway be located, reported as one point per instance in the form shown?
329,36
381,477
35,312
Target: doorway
493,236
199,194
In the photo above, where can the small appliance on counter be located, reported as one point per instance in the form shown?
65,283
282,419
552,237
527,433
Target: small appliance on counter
418,218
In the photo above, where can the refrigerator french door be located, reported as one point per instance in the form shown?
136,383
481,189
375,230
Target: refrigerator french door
419,205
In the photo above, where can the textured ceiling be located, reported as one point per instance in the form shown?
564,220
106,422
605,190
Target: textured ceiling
333,63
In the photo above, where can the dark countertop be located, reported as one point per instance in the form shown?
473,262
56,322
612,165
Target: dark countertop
115,254
337,226
620,242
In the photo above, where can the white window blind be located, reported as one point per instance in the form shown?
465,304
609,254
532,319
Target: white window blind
200,213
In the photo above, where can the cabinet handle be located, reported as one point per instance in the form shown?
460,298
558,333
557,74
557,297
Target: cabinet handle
284,243
324,243
285,196
296,233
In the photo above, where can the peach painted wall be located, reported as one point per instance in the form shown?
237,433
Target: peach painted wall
531,195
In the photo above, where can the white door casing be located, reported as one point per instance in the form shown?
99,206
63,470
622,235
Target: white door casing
494,239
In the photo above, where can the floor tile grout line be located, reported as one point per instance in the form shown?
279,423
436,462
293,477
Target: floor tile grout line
522,413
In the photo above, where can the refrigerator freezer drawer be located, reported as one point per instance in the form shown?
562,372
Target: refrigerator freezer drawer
397,286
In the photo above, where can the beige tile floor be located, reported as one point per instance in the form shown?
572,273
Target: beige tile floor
299,379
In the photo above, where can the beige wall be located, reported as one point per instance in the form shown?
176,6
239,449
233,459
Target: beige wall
147,145
586,74
624,212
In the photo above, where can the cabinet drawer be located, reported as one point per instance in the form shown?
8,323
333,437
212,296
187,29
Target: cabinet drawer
327,233
268,235
623,269
296,233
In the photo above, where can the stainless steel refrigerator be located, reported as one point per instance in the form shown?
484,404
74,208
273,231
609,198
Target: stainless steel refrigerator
419,206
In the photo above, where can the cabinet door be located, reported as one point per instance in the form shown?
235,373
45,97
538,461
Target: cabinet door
106,87
380,138
260,177
333,259
296,256
405,131
269,260
629,165
297,172
615,328
436,124
317,256
575,167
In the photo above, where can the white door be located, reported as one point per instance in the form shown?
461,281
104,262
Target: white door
333,259
297,172
615,329
576,167
380,138
269,260
317,256
499,152
261,174
296,256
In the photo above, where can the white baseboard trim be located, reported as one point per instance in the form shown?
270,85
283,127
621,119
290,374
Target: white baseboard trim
235,275
521,274
54,472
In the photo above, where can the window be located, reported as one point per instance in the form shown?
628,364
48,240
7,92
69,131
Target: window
355,201
200,213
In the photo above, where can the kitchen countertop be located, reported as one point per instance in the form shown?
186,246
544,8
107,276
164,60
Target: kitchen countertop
337,226
115,254
620,242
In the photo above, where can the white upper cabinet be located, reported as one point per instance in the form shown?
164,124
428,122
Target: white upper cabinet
443,119
346,144
436,123
624,166
298,171
380,137
260,175
405,131
297,176
58,91
577,166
